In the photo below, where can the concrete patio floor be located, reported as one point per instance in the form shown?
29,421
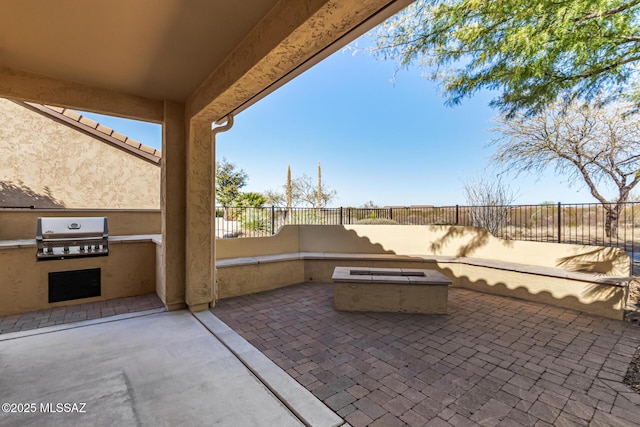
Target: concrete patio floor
153,368
490,361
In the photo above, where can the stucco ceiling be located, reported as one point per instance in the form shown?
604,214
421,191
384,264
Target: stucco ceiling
129,57
159,49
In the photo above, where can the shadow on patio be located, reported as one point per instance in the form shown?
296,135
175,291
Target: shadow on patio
491,361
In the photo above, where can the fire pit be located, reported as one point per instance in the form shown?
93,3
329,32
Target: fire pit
390,290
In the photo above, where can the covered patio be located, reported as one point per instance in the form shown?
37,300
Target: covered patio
185,65
192,66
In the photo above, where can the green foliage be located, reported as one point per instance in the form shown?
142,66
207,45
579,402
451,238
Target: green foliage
307,216
255,223
533,51
229,181
250,199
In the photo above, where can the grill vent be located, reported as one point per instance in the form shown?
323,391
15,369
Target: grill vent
74,284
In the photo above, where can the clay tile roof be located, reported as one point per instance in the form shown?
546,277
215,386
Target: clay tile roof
72,115
108,135
104,129
148,149
119,136
134,143
87,121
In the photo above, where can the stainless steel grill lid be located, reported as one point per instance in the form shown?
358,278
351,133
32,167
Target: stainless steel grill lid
59,238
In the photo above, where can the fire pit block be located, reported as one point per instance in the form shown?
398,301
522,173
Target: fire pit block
390,290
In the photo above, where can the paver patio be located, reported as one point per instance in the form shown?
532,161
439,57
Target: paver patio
77,313
490,361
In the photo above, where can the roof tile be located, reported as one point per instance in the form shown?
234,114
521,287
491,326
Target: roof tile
147,149
87,121
56,109
72,114
119,136
133,143
104,129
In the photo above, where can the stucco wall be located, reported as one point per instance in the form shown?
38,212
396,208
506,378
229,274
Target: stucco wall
428,240
46,164
18,224
600,299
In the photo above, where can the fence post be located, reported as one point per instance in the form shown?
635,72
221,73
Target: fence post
559,222
349,216
340,215
273,220
633,237
457,215
390,213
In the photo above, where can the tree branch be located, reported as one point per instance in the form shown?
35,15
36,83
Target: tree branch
614,11
596,71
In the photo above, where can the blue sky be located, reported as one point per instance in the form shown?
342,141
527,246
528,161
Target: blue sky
393,143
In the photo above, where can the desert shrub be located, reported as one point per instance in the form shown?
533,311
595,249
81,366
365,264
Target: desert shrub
489,201
378,221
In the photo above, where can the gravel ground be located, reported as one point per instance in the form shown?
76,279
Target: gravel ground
632,378
634,293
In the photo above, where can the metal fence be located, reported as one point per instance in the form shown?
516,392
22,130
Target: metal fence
611,225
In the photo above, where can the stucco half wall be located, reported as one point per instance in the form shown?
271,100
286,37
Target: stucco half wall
129,270
133,266
543,272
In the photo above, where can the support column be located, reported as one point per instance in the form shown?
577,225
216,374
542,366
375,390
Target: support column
170,282
200,241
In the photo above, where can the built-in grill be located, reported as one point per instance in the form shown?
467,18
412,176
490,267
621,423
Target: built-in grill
61,238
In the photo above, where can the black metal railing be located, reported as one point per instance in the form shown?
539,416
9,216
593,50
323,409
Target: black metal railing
611,225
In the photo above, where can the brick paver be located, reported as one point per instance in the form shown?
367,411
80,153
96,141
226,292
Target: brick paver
492,361
76,313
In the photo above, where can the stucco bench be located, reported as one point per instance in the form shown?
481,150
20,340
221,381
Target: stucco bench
390,290
595,293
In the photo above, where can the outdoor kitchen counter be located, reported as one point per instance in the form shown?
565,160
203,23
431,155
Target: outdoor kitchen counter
138,238
130,269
